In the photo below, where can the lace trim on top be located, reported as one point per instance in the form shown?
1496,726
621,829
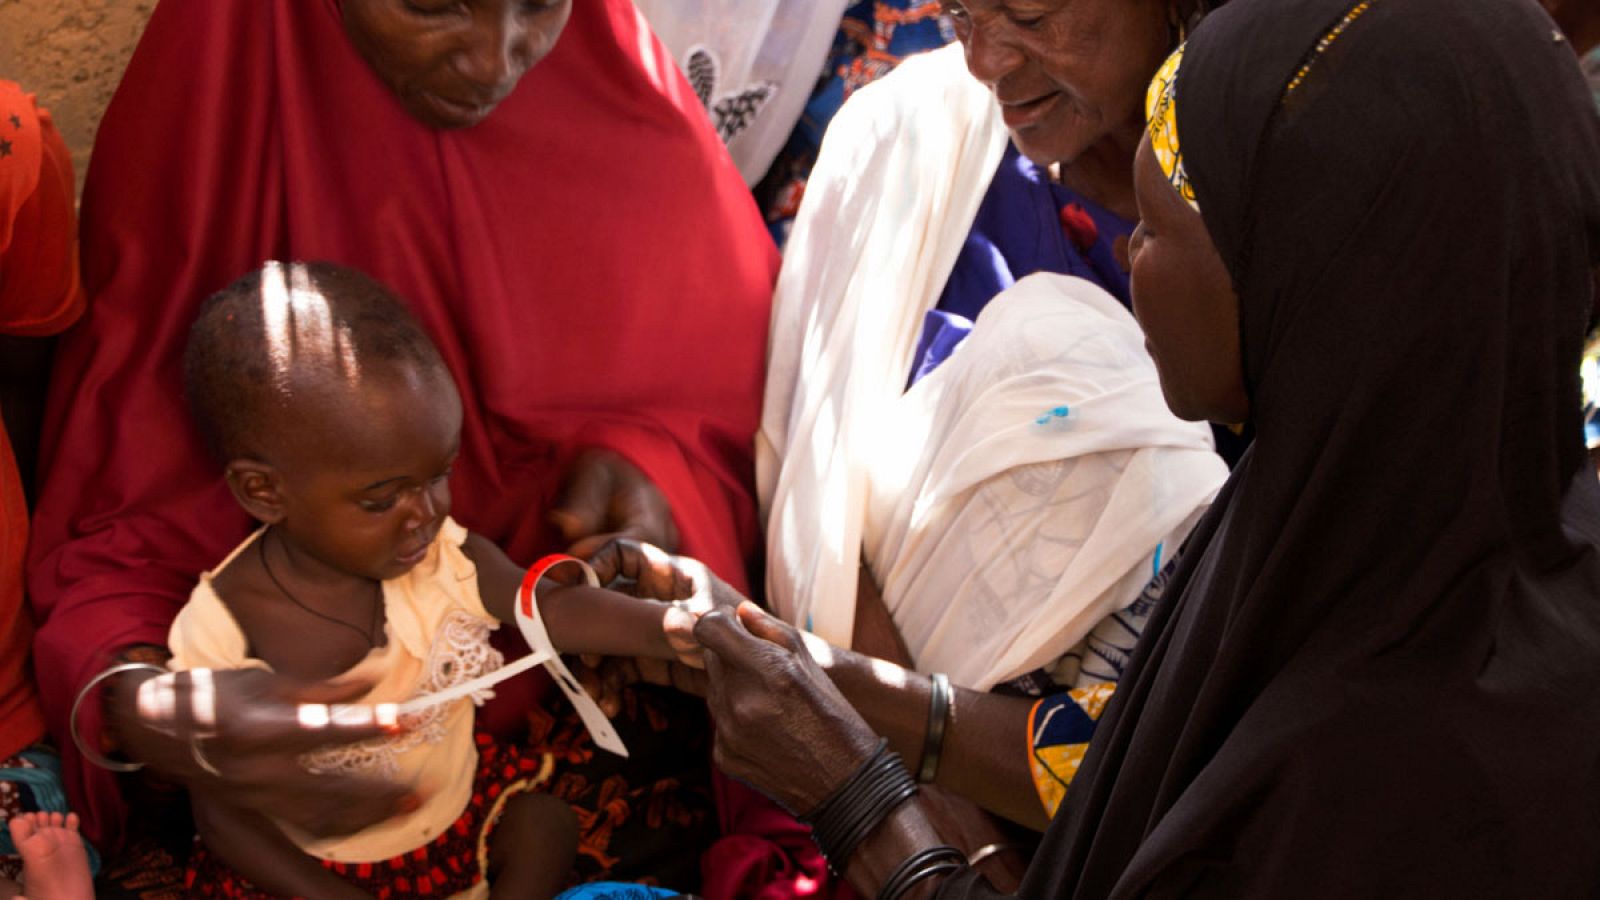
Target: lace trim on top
459,653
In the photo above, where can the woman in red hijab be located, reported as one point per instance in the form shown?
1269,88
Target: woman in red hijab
576,241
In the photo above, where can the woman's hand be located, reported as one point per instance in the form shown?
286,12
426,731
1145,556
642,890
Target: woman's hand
603,496
782,725
255,750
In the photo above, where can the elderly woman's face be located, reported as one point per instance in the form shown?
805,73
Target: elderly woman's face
452,61
1067,73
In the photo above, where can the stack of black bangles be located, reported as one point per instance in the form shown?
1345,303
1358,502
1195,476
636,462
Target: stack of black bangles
840,823
940,860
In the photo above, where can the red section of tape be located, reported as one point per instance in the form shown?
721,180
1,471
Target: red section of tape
536,572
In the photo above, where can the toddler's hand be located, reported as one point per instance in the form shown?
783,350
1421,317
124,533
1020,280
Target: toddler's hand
678,625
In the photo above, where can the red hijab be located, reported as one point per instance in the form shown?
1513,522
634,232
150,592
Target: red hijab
587,259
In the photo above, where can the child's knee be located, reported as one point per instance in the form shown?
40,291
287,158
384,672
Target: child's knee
542,819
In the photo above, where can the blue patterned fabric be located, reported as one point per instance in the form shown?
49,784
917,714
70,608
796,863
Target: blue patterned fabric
873,38
610,890
1027,223
1021,229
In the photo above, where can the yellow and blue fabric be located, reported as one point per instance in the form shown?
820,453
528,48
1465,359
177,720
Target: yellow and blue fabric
1059,730
1161,117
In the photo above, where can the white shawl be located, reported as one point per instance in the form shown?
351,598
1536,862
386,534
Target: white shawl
1018,495
1000,542
896,187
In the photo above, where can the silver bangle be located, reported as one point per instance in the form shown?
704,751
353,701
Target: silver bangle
988,850
938,718
77,703
200,757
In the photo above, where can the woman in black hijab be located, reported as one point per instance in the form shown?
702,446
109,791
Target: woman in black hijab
1379,673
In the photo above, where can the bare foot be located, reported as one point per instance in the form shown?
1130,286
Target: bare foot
54,864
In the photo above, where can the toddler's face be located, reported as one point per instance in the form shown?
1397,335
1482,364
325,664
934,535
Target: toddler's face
366,486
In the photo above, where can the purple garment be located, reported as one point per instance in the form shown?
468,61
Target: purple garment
1019,231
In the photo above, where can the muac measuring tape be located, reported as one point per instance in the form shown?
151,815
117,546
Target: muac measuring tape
157,697
543,653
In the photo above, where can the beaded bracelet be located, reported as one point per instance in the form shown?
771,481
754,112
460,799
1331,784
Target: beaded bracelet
840,823
924,864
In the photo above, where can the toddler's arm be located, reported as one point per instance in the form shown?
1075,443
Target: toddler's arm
254,847
578,618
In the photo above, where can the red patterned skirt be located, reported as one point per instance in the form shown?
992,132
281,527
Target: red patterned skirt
455,861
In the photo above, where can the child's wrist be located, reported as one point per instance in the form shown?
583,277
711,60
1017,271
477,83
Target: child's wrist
536,577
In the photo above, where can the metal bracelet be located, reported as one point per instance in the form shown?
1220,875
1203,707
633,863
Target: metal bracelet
77,703
200,757
988,850
840,822
940,860
938,719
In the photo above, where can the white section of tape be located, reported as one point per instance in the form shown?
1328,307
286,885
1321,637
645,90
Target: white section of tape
468,688
600,728
533,631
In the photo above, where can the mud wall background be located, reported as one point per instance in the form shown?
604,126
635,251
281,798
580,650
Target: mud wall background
71,53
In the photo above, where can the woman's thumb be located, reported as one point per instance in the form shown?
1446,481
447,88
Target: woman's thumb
762,625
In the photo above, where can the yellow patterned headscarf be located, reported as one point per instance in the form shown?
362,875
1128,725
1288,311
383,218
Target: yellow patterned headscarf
1161,112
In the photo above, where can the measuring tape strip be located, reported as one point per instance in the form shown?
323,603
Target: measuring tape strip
543,652
157,697
600,729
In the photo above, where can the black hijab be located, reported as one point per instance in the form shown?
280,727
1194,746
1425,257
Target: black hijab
1380,672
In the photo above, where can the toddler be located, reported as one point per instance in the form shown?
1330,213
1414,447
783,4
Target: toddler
338,423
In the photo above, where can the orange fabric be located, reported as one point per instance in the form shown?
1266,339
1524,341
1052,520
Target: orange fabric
39,289
39,294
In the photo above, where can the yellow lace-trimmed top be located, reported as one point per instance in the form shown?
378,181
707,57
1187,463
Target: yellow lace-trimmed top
438,636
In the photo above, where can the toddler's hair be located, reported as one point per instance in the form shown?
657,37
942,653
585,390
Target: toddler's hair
288,329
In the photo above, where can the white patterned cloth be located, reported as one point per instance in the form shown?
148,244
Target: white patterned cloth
753,64
1023,493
